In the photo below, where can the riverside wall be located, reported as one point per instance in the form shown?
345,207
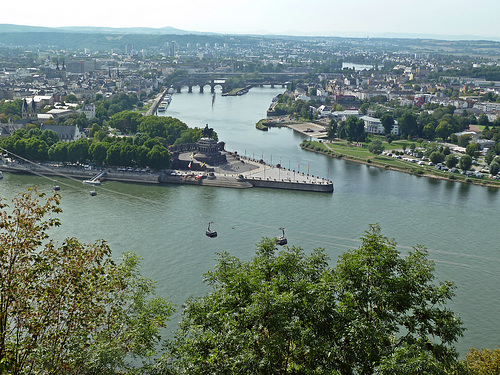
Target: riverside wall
292,185
156,178
135,177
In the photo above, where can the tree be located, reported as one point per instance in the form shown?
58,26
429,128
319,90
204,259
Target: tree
79,151
489,157
472,149
49,136
94,129
494,168
98,152
364,108
259,317
451,161
436,157
390,307
113,154
158,157
332,128
58,152
463,140
483,119
68,308
444,130
289,313
71,98
355,129
483,362
376,147
126,121
407,124
465,162
387,122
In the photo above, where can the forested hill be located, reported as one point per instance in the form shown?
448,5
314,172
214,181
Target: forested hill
107,38
97,41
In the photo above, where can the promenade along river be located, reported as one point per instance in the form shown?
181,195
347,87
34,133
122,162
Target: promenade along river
166,224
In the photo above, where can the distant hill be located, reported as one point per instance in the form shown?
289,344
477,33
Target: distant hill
127,30
8,28
155,39
98,40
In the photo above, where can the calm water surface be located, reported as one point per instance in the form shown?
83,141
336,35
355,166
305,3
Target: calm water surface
165,224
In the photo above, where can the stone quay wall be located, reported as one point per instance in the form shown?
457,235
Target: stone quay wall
326,187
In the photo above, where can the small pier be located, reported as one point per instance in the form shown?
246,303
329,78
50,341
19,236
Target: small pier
96,179
156,103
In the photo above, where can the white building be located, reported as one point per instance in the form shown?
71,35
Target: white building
343,115
374,126
89,110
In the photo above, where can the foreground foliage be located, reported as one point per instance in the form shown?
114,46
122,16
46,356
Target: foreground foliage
69,308
287,312
483,362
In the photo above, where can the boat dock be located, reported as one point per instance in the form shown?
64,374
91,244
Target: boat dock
156,103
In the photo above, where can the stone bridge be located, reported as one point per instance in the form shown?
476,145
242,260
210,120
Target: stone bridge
201,83
219,79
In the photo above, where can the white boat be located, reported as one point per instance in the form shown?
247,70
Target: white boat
162,107
1,175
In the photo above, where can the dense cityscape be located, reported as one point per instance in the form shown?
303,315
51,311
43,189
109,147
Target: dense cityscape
441,95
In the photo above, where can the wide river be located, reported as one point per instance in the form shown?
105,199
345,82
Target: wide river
165,225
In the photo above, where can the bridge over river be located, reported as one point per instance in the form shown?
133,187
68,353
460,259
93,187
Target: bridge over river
219,79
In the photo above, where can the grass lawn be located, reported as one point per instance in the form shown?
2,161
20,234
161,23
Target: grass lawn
342,149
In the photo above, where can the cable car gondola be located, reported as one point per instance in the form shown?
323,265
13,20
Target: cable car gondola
281,240
210,232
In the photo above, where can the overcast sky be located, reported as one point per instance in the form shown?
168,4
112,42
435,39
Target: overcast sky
295,17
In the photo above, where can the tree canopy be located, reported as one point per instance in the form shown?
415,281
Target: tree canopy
286,312
69,308
352,129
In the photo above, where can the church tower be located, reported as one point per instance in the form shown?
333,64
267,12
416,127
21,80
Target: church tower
29,110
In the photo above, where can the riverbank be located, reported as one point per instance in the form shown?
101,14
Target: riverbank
80,173
238,173
341,150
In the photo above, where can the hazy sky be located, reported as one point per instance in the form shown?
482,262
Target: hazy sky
297,17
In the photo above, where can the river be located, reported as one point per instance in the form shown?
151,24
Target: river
165,224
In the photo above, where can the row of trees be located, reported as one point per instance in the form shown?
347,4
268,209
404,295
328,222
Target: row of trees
148,148
70,309
111,151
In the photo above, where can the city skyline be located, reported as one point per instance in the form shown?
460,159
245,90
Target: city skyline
356,18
